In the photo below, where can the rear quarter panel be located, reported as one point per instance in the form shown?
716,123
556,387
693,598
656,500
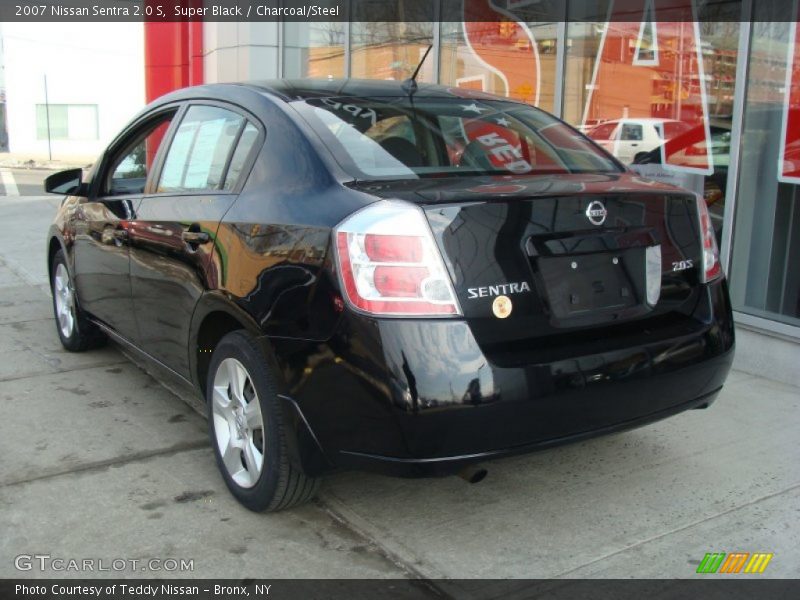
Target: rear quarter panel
273,245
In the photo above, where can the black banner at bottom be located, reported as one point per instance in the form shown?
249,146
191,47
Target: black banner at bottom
394,589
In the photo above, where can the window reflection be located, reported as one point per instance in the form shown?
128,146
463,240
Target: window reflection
509,58
671,118
393,42
313,49
765,281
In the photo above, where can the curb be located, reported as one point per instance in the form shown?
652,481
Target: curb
32,164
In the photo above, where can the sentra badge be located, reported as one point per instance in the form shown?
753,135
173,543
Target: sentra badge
501,289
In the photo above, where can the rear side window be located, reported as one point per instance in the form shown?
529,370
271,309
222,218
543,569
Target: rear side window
240,156
200,150
631,132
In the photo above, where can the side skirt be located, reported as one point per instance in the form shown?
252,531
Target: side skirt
165,375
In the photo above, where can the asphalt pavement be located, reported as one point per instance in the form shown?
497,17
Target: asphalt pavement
101,461
22,182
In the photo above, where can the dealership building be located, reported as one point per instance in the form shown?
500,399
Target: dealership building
727,84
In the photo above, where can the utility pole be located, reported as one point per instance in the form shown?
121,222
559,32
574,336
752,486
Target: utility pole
47,116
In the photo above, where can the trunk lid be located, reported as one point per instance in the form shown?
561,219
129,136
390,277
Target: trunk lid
590,259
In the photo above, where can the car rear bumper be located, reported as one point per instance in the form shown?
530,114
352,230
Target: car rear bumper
448,465
416,398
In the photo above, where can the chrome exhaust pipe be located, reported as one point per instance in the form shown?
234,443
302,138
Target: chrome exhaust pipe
473,473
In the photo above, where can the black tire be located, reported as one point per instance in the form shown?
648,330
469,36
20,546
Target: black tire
279,484
82,334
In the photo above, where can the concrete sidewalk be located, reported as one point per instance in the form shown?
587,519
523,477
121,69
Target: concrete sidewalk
42,161
101,461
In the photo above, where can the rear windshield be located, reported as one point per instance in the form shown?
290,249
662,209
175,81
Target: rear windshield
400,139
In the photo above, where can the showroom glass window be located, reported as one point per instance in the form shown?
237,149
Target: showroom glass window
764,273
391,44
314,48
636,88
510,53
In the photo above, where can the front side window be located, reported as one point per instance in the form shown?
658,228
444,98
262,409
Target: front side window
130,167
200,150
425,137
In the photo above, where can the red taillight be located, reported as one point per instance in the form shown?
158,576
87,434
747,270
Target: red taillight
711,266
393,248
399,282
390,265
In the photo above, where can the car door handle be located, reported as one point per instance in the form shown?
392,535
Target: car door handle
195,237
158,230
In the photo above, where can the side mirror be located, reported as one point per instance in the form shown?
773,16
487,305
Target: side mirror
66,183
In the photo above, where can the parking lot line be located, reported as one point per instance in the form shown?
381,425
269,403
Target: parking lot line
9,182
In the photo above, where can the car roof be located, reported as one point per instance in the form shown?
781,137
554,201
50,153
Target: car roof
303,89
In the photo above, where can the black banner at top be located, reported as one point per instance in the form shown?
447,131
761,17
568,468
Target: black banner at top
395,10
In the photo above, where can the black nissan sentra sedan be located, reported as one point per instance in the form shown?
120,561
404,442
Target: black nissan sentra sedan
384,276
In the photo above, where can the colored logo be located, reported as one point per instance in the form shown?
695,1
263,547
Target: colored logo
735,562
501,307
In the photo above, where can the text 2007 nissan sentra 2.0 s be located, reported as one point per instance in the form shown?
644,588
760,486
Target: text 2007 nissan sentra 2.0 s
376,275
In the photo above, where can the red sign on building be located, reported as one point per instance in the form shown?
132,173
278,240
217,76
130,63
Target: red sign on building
789,163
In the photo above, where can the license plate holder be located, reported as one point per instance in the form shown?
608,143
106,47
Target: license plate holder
596,283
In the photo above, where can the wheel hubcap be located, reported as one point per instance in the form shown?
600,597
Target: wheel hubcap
238,425
65,304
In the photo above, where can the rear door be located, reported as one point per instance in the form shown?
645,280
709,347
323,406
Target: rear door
103,223
173,237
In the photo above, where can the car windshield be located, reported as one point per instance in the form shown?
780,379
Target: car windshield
401,138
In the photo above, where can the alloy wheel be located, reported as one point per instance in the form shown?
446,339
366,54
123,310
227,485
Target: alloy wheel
238,424
65,301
